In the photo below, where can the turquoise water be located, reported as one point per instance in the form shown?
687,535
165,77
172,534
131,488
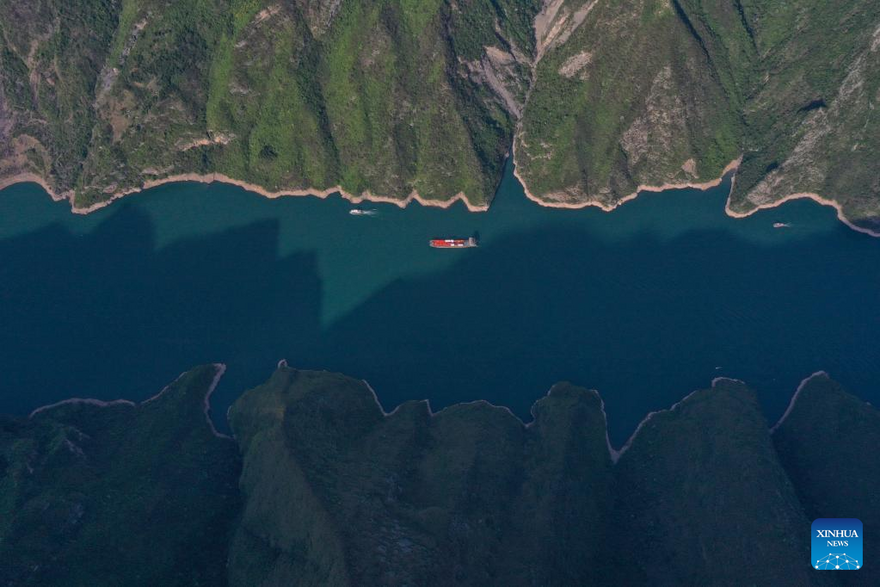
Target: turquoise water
644,304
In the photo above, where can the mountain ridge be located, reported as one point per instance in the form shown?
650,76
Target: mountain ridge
334,96
334,490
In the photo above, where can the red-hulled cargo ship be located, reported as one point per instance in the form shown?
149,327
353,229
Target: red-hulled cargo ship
453,243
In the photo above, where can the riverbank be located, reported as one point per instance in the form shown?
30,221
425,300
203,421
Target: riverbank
219,371
802,196
32,178
82,400
616,454
443,204
794,399
733,166
251,187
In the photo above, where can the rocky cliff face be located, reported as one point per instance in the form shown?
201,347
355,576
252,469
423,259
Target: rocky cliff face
623,96
333,491
390,98
701,486
387,98
670,92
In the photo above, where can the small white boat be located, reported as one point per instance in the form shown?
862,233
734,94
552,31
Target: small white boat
361,212
781,225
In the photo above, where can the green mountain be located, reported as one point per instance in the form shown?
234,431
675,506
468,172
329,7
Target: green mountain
95,494
671,91
826,444
395,97
390,97
674,523
333,491
337,493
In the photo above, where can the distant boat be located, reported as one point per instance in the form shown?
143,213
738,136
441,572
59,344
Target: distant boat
781,225
361,212
453,243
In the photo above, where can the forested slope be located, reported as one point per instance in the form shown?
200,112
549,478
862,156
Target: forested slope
394,98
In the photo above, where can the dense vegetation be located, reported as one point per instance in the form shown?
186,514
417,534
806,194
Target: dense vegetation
370,96
396,96
654,91
836,478
118,495
466,496
332,491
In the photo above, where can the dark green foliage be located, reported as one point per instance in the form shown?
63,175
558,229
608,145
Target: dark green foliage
702,486
743,74
13,73
70,40
644,100
466,496
396,96
369,96
118,495
827,445
337,493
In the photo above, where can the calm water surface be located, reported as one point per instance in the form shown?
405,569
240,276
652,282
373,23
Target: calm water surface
644,304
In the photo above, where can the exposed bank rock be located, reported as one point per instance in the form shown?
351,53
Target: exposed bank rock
388,98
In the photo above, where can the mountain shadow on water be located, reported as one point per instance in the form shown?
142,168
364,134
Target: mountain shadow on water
81,314
638,318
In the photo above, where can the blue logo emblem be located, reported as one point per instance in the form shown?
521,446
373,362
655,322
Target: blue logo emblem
836,544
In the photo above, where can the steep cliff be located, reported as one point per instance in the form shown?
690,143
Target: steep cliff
95,493
397,98
333,491
339,493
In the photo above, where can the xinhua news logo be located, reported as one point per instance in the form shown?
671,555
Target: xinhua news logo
836,544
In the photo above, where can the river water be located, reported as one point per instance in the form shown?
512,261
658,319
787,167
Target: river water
645,304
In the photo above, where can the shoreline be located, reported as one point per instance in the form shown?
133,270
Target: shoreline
206,402
802,196
613,453
616,454
82,400
640,189
210,178
219,371
414,196
733,166
794,398
28,177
